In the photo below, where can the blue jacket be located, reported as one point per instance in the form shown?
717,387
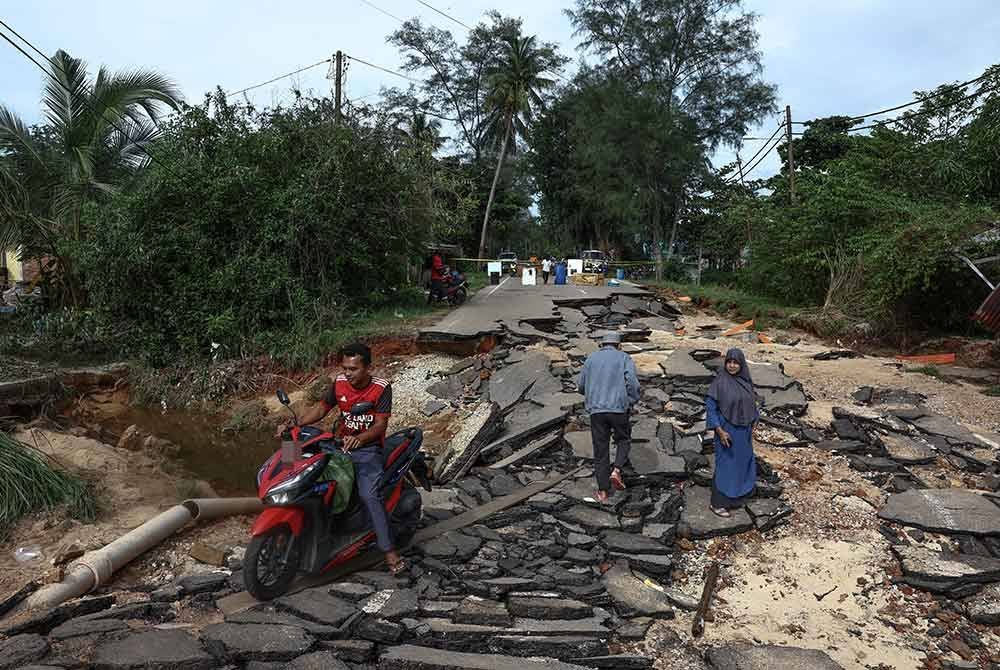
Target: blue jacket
609,382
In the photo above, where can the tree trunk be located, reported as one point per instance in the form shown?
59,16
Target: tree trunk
493,190
657,239
678,204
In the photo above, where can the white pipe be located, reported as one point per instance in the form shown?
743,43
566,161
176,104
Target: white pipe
96,567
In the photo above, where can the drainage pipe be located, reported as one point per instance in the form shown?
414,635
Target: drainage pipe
96,567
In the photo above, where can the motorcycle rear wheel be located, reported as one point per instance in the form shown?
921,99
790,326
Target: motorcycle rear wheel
271,562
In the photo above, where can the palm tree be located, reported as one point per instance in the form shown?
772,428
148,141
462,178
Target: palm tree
425,130
516,88
93,136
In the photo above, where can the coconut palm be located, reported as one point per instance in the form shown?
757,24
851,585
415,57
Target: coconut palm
92,137
516,87
425,130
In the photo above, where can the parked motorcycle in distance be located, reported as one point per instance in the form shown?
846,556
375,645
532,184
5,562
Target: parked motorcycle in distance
456,289
298,531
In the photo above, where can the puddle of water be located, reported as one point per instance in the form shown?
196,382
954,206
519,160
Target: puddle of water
228,461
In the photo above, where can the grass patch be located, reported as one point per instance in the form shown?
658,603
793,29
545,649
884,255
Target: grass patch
476,280
735,304
993,391
31,482
929,370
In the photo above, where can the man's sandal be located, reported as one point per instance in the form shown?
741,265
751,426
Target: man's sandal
723,512
397,568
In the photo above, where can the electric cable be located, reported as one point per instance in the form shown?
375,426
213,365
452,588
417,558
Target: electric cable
279,77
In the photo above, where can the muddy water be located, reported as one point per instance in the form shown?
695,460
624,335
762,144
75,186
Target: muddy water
227,460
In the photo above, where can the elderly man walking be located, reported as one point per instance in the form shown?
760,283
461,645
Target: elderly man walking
610,386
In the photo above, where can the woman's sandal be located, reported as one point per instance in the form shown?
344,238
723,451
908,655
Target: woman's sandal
397,568
616,480
723,512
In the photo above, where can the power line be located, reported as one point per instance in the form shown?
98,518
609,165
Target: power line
379,9
777,130
46,71
766,139
862,117
279,77
445,15
905,117
750,168
384,69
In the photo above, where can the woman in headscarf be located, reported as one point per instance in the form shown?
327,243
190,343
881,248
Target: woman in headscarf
731,411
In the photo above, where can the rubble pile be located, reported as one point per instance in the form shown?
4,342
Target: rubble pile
561,581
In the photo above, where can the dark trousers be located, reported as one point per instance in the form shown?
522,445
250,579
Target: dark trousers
368,475
437,290
545,277
601,427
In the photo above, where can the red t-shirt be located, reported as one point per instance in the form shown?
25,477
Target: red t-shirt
437,268
345,396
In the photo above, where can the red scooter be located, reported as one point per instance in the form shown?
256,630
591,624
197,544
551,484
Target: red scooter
455,288
298,530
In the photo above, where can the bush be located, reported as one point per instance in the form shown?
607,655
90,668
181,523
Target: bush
30,482
65,335
267,228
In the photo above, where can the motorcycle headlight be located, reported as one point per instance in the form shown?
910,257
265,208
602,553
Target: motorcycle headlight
282,493
278,498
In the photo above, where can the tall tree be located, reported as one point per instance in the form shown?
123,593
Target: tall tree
92,137
459,87
696,68
516,88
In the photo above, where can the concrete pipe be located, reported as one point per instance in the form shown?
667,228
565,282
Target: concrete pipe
96,567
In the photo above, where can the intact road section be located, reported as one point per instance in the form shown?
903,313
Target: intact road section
512,302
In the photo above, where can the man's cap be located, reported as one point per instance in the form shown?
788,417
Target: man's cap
611,338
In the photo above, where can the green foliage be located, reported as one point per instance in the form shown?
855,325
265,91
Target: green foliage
92,141
738,305
270,230
31,482
620,155
489,88
871,240
63,335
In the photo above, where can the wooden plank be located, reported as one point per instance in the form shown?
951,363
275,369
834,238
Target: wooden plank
523,454
238,602
742,328
698,626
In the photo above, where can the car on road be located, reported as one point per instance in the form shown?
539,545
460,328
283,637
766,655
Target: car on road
508,262
594,261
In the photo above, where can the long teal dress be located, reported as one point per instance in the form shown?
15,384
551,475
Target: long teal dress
735,467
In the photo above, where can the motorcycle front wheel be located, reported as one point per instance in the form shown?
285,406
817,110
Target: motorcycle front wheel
458,298
271,561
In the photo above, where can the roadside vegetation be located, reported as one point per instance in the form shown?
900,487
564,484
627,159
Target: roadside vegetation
282,232
736,304
31,482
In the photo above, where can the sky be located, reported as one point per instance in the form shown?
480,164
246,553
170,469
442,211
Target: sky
826,57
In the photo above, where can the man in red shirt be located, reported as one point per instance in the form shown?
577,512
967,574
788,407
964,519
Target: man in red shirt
437,277
363,436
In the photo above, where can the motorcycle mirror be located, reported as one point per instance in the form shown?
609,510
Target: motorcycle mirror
283,397
362,408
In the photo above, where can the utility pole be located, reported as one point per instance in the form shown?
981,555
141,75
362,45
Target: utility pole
791,159
337,84
739,165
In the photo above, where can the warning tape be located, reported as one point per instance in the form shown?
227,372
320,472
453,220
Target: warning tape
520,262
